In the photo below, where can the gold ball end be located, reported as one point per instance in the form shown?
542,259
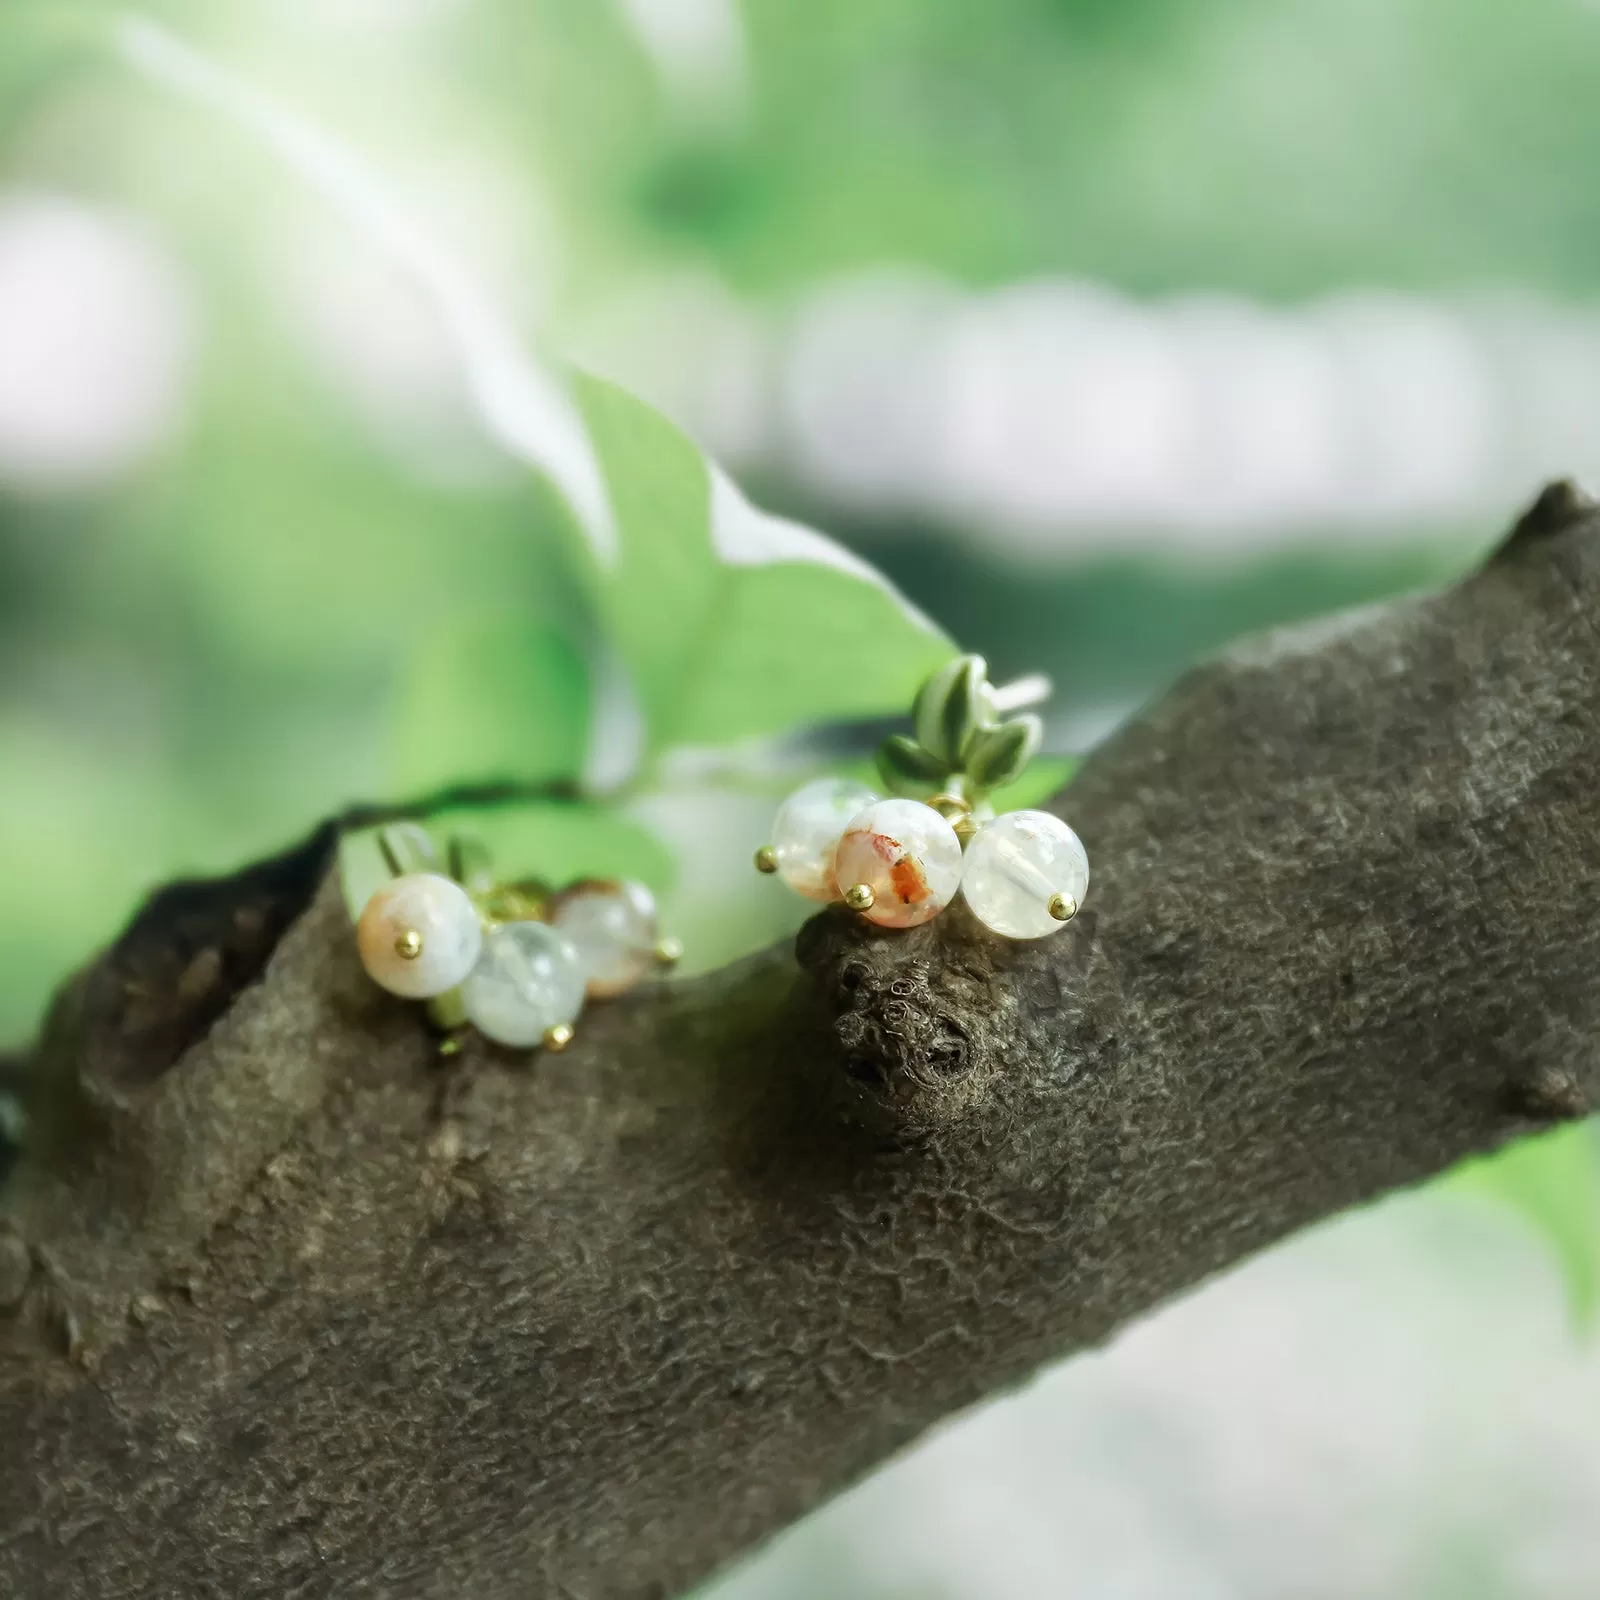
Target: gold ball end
514,902
1063,907
557,1039
766,860
668,952
859,897
965,827
408,945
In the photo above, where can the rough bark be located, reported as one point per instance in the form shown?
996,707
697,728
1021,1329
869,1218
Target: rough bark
291,1308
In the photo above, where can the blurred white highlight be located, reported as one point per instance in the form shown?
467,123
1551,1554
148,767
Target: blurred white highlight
698,49
524,409
95,344
617,730
1061,417
373,339
370,330
361,17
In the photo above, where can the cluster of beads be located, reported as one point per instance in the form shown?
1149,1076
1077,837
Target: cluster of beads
516,961
901,861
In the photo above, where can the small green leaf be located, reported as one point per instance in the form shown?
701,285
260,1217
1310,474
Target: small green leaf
555,840
1042,781
999,755
1553,1182
950,709
907,769
560,841
407,847
469,861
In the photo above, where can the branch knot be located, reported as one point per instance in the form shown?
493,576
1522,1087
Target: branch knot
915,1012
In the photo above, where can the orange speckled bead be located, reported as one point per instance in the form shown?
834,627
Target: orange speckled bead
907,855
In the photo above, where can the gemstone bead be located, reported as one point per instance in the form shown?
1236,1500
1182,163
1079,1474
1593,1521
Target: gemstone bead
527,981
612,927
807,831
907,855
419,935
1016,865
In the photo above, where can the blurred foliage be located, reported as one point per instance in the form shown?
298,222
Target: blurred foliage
1554,1183
491,696
1270,146
307,599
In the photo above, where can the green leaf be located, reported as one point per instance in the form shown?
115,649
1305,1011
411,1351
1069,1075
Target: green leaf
1553,1182
490,698
560,841
408,847
950,709
555,840
732,623
906,768
1044,778
1000,755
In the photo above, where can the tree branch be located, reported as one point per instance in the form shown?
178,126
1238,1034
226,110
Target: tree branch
290,1309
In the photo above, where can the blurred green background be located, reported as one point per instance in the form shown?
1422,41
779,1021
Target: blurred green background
1108,330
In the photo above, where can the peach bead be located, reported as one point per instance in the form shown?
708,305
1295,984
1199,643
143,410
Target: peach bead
419,935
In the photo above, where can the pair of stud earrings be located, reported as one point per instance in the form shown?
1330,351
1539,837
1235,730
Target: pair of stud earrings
514,960
517,960
900,861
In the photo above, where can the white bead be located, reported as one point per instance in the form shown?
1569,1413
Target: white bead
419,935
807,831
527,981
907,854
1016,865
612,927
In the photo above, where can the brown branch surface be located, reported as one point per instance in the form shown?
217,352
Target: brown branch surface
288,1308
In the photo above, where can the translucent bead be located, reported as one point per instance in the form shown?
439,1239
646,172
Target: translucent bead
527,981
807,831
612,927
419,935
1016,865
907,855
409,847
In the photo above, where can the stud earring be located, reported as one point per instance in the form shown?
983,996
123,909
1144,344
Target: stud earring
515,960
900,861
